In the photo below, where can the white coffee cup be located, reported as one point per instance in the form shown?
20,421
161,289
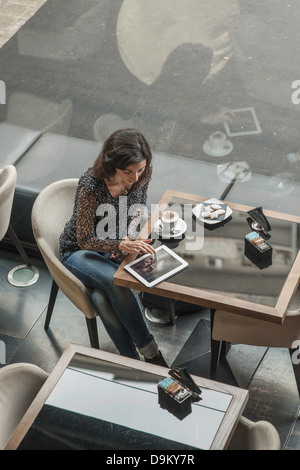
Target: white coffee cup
217,140
168,219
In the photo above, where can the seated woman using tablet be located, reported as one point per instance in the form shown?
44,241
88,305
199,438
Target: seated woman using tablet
123,168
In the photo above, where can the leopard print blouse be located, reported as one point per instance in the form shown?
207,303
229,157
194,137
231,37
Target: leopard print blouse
91,227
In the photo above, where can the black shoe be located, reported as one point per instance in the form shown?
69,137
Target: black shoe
158,360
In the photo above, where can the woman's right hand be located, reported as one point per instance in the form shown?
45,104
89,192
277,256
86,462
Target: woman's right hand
136,247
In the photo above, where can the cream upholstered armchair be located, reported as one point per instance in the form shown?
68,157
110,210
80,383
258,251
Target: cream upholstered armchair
233,328
248,435
8,178
51,210
19,384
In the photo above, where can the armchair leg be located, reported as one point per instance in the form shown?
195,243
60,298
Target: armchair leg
93,332
296,366
52,298
17,243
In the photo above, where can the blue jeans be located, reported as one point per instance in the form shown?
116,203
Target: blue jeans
117,306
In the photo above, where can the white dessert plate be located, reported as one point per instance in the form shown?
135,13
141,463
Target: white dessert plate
199,209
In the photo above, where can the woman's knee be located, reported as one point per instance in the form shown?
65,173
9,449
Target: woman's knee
92,268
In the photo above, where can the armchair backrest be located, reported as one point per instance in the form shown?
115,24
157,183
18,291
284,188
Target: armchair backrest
52,209
19,384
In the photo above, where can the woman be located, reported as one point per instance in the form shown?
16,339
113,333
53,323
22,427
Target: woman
98,235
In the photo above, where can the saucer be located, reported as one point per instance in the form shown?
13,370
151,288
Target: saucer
222,152
178,231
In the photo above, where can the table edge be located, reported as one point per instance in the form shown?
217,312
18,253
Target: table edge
208,299
239,396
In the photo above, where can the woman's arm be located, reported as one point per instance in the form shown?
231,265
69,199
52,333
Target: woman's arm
86,234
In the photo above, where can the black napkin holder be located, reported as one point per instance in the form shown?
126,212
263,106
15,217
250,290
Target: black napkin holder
260,263
258,217
256,252
174,398
176,393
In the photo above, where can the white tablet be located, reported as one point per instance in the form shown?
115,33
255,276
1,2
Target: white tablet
151,269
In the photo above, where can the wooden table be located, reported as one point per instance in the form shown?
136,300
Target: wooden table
283,279
221,405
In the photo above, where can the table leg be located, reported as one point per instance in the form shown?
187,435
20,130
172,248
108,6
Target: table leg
218,351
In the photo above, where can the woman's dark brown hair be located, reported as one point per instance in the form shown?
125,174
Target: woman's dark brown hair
123,148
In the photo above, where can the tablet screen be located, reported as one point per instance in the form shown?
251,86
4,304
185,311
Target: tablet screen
153,269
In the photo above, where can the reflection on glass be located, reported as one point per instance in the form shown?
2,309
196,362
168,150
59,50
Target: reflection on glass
101,405
220,265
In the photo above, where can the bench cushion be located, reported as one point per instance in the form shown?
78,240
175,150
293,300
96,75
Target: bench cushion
15,141
52,158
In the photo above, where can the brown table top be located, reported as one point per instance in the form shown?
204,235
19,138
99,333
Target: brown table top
222,404
238,285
